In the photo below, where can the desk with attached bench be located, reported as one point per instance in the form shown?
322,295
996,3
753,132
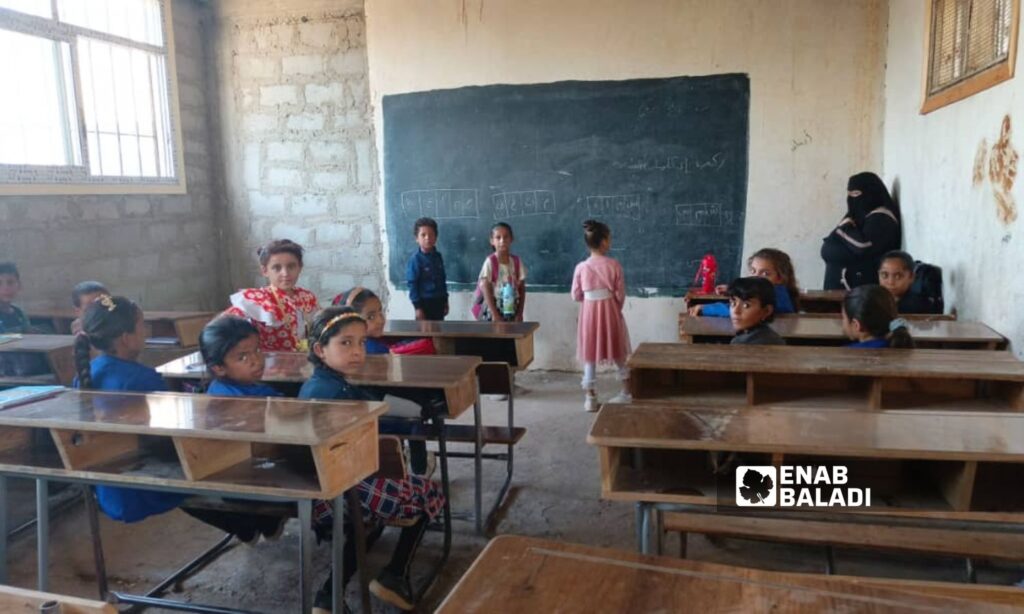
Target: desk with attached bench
811,301
803,330
56,352
454,376
261,449
826,377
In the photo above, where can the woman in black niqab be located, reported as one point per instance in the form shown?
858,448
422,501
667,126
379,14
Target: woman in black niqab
871,227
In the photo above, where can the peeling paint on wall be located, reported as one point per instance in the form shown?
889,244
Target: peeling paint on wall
1002,172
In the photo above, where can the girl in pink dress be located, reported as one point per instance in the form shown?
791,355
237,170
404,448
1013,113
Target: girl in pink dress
600,285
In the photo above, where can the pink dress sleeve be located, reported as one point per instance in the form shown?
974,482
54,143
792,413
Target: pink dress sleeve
620,285
577,284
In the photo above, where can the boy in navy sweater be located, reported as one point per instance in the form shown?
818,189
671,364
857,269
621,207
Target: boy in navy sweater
428,285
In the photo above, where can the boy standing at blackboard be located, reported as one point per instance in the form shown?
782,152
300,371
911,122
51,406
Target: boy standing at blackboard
428,285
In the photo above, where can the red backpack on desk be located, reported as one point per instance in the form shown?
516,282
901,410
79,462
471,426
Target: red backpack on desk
479,308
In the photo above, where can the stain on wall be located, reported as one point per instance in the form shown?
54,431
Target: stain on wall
1002,172
980,162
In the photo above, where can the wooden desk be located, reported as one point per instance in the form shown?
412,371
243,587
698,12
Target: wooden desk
827,377
929,468
454,375
803,330
811,301
510,342
521,574
185,326
56,350
263,449
15,600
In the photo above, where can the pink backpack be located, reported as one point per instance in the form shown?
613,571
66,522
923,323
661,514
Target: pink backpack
479,308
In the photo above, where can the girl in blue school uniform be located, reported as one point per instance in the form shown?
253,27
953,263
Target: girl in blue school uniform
114,326
870,319
774,265
338,348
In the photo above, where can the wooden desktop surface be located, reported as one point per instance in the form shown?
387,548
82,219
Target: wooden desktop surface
456,375
831,329
459,329
15,600
521,574
68,313
267,420
947,435
923,363
38,343
821,296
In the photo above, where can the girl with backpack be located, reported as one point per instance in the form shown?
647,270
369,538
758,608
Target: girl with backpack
501,290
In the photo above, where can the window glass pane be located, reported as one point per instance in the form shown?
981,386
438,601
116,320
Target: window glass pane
35,124
138,20
125,92
32,7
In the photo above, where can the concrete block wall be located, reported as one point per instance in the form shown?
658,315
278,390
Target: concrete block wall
298,140
159,250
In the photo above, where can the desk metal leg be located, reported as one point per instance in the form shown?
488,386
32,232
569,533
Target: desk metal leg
338,554
305,509
478,466
359,530
645,528
43,533
3,530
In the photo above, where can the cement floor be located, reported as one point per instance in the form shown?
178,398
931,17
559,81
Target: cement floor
555,495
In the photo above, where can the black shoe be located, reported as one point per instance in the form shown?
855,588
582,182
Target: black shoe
272,530
322,601
393,589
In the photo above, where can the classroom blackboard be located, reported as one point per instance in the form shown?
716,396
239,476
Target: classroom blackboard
663,162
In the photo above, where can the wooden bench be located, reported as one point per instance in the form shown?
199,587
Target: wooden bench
521,574
56,352
15,600
803,330
826,377
936,470
510,342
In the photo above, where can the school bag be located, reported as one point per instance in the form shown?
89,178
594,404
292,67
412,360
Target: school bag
928,284
479,308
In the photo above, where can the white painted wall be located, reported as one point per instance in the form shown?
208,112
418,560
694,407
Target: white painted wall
816,78
948,220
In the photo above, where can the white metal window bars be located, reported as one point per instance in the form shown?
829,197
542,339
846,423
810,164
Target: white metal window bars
112,68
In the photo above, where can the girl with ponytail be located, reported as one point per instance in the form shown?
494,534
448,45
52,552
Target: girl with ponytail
113,325
870,319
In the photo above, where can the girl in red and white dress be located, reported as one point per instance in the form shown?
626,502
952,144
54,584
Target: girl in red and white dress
282,309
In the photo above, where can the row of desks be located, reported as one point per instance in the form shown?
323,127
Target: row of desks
811,301
804,330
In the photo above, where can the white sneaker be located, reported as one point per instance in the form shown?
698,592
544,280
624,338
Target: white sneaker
622,397
590,404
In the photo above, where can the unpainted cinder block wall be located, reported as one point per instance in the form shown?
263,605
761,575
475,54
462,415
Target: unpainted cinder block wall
162,251
298,141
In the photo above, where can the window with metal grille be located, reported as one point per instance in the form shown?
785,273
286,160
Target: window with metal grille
87,99
972,46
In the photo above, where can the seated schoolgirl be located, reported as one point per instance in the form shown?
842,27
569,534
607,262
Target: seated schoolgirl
338,347
751,309
774,265
870,319
369,305
114,326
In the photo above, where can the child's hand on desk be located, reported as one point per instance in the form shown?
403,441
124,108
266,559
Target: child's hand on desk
420,315
695,310
721,289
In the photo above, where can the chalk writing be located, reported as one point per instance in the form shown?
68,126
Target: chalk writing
524,204
621,205
684,164
702,214
442,204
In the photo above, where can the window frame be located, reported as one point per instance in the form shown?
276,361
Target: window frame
59,31
979,81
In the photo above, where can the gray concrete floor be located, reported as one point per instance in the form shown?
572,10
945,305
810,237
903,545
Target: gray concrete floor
556,495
